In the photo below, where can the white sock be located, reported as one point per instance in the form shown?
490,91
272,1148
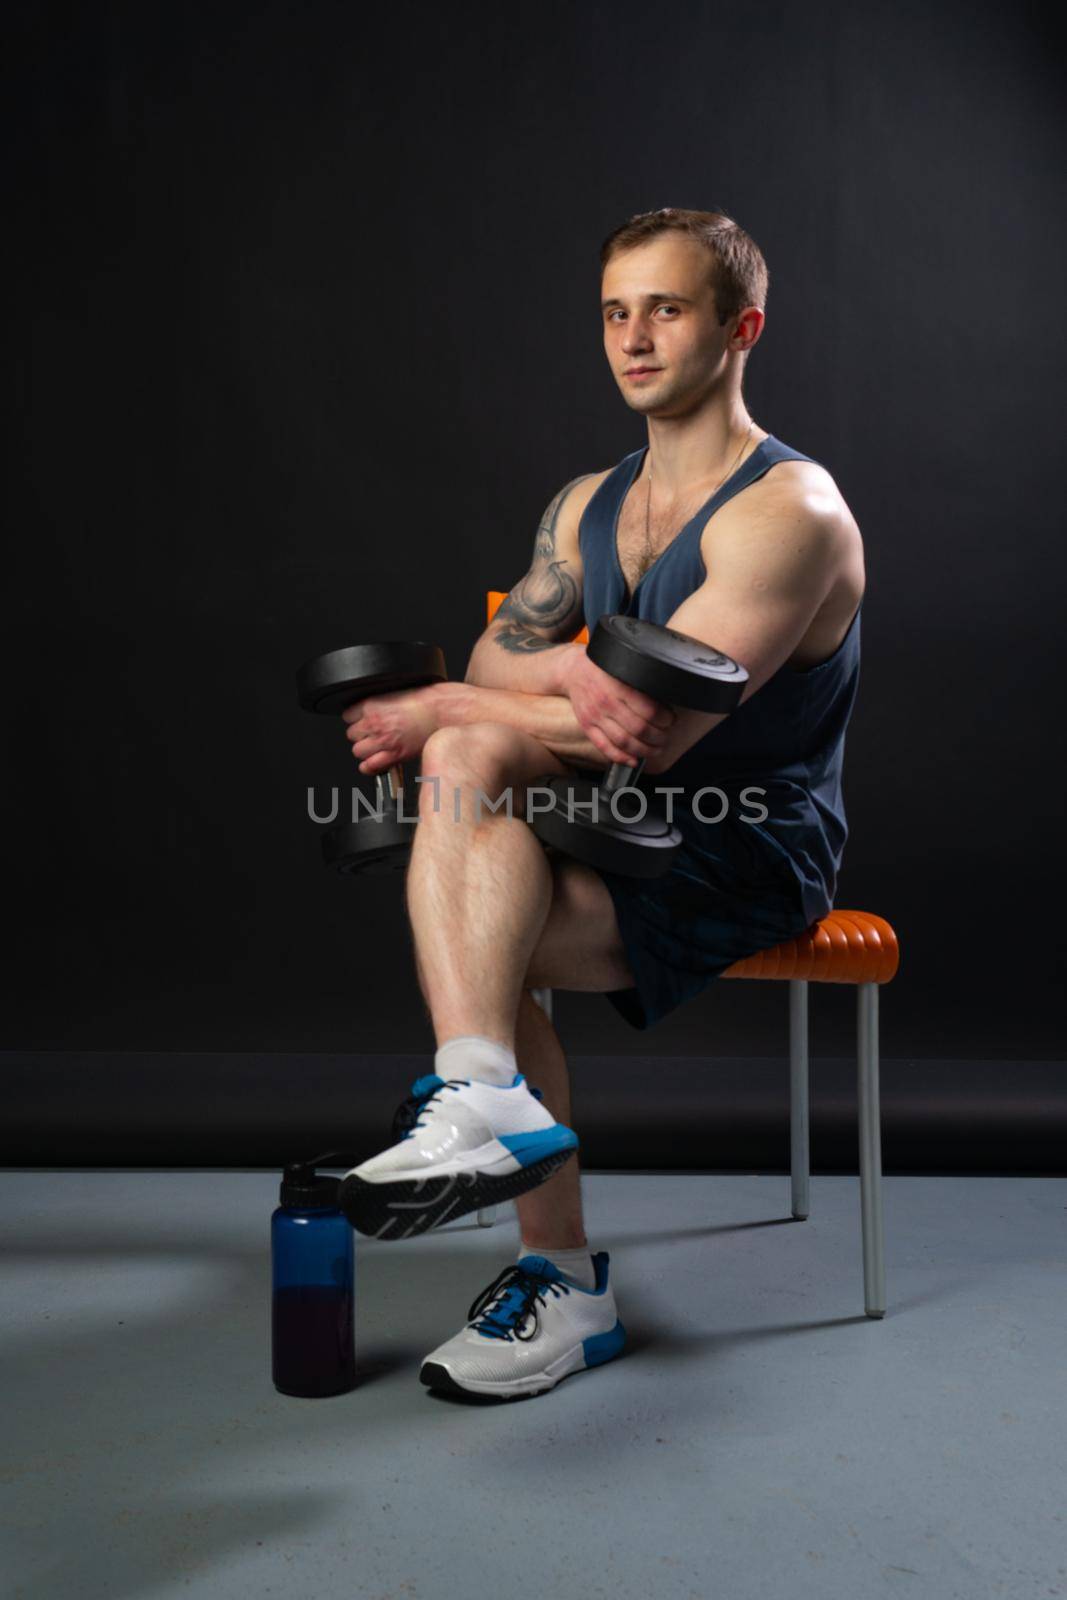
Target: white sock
470,1056
576,1264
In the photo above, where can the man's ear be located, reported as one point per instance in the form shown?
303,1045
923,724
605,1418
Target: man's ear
748,330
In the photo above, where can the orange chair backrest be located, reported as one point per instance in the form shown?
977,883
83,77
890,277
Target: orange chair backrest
495,599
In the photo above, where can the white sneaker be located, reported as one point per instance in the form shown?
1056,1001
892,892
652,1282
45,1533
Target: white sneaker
531,1327
468,1144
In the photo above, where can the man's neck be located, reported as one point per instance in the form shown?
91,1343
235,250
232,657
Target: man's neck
686,453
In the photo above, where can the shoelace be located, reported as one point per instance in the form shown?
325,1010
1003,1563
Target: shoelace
520,1293
423,1090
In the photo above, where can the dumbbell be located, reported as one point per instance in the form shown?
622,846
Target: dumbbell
328,684
674,669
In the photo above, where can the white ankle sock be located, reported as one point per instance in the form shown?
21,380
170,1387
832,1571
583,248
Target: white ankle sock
576,1264
470,1056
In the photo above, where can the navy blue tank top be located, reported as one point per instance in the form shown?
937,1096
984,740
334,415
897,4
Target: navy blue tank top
787,740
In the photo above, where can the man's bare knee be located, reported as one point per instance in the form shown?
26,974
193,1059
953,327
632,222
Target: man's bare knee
489,757
467,742
479,751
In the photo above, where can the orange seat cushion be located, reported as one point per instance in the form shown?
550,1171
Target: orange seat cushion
844,947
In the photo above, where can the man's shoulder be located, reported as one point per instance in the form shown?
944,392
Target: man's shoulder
575,496
581,489
792,479
797,495
792,525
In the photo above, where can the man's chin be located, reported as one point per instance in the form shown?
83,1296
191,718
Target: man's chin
646,405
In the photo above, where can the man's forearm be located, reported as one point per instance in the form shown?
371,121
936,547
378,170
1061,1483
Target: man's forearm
509,656
548,717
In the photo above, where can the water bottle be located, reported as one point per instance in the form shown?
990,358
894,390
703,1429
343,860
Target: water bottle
313,1285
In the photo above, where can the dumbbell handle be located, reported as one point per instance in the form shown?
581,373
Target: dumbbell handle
388,785
620,776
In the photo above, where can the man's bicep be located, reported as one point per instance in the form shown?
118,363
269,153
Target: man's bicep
755,607
545,606
763,594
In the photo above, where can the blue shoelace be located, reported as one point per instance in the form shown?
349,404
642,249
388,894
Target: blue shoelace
520,1294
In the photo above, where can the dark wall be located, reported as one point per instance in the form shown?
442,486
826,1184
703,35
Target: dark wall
308,337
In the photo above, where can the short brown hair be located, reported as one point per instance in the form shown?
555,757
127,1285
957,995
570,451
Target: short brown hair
739,275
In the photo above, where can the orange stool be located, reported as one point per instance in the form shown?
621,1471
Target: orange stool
844,947
853,947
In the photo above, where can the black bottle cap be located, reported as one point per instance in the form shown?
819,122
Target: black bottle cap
304,1189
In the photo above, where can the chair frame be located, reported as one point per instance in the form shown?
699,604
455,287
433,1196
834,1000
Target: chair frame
870,1128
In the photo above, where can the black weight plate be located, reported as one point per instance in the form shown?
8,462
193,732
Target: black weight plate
672,667
639,849
330,682
369,845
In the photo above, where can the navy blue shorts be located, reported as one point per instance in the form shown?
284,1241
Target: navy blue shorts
726,897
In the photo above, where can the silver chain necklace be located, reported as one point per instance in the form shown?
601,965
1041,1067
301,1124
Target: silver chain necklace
727,474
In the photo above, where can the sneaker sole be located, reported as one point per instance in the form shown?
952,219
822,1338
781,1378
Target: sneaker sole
404,1209
593,1353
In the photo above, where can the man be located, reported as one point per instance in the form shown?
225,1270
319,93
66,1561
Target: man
724,533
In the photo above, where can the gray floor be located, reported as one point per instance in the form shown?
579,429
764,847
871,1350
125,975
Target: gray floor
761,1437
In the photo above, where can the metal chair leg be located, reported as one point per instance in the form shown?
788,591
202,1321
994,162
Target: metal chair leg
799,1098
487,1214
544,1000
870,1135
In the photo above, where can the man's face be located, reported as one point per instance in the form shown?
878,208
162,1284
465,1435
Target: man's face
661,315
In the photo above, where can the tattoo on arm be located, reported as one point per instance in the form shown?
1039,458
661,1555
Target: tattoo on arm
544,608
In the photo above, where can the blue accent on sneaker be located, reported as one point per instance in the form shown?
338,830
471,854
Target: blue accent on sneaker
536,1145
601,1260
541,1267
602,1347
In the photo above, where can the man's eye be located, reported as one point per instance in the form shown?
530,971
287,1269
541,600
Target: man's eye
665,307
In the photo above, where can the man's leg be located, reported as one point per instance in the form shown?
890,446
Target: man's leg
492,918
550,1217
579,949
479,885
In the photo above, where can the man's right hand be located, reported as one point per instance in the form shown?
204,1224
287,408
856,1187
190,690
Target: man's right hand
386,730
624,724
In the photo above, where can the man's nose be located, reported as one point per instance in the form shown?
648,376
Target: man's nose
636,336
